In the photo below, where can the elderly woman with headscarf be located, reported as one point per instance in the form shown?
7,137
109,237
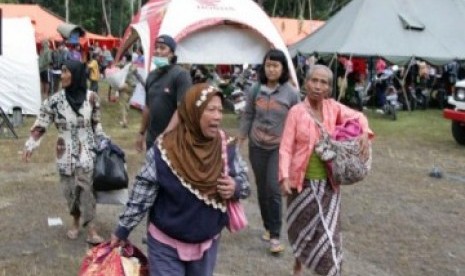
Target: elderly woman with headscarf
184,187
75,111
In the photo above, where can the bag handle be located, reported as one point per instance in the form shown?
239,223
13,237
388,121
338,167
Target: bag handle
320,125
224,153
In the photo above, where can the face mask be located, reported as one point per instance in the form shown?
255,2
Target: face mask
160,62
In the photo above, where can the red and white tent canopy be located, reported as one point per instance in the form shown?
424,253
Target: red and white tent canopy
207,31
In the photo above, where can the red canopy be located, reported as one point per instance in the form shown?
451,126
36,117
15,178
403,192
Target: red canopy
46,23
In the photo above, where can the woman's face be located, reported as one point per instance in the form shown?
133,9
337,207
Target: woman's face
65,77
273,70
317,85
211,117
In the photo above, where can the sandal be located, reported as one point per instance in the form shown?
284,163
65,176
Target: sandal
276,247
72,234
95,240
266,236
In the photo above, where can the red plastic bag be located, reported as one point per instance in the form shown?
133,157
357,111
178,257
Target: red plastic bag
103,260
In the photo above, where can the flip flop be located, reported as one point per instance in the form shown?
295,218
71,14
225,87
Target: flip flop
276,247
72,234
266,236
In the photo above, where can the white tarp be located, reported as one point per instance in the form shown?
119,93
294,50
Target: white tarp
19,70
229,39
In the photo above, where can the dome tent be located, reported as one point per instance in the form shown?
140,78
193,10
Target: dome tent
207,31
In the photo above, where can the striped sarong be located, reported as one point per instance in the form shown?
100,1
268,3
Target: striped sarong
313,227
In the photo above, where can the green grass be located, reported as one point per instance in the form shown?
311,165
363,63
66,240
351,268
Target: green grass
427,126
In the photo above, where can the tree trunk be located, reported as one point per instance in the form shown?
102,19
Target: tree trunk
105,17
67,10
274,8
310,9
120,25
302,10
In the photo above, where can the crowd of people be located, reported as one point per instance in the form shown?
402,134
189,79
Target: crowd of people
193,169
51,60
357,78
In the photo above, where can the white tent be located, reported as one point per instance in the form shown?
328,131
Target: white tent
208,31
19,71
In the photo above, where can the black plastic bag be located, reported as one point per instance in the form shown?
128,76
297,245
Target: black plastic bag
110,169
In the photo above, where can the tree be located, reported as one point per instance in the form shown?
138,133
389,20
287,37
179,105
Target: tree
67,10
305,9
104,10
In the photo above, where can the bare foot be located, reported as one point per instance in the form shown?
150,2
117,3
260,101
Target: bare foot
298,268
72,233
93,237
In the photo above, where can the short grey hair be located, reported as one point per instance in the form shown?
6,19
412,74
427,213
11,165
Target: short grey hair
325,68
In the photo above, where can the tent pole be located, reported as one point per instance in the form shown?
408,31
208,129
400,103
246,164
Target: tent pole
334,84
404,78
344,82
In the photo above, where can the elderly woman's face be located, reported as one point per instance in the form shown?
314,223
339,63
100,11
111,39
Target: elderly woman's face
211,117
65,77
317,85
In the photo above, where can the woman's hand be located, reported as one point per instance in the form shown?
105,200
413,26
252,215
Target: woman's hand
226,186
364,145
285,186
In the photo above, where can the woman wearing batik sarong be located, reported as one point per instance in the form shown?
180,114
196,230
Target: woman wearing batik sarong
313,207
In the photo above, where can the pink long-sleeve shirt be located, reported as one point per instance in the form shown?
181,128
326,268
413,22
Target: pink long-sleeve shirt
301,134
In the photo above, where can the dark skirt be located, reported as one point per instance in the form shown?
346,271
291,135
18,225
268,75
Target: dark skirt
313,227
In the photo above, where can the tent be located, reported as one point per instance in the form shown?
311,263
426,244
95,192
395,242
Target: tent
46,24
19,72
292,30
207,31
396,30
109,41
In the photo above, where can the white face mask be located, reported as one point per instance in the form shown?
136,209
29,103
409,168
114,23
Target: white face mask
160,62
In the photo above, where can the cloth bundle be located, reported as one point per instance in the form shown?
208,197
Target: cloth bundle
104,260
342,153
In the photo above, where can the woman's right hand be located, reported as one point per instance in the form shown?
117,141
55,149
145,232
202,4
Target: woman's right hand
140,142
285,186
